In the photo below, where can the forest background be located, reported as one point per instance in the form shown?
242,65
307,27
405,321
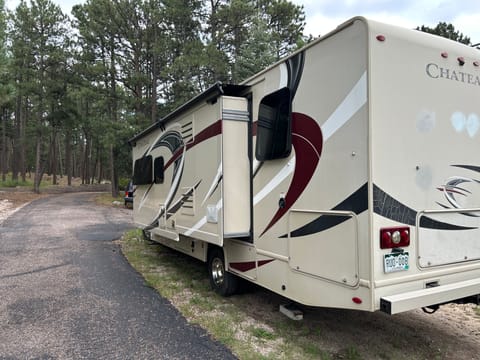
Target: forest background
74,88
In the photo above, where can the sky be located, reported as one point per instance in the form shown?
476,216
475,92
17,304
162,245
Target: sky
322,16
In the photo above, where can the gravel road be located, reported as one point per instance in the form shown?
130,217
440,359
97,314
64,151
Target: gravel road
66,292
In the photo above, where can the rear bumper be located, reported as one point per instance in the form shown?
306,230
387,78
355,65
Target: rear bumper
394,304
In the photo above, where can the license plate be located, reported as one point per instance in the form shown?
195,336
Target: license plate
395,262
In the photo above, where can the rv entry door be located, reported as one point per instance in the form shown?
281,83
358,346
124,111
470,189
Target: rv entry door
236,168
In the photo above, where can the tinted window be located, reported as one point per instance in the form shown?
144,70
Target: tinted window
158,170
274,126
142,171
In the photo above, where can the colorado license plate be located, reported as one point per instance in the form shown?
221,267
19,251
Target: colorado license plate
395,262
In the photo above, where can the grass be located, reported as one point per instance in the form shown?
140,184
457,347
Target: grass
106,199
184,281
9,183
262,333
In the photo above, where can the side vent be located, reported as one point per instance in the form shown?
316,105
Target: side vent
188,205
187,132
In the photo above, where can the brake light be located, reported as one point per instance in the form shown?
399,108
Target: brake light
394,237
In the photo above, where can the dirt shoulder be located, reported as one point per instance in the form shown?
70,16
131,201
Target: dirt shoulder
11,201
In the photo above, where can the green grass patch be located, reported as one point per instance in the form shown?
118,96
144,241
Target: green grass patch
107,199
262,333
9,183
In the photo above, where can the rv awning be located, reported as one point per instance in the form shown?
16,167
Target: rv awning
210,94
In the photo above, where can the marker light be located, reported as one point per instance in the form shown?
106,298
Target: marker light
394,237
444,54
380,37
461,61
476,63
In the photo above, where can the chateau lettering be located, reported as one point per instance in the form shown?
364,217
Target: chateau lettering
437,72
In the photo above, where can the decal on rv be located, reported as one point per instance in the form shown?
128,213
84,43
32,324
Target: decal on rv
207,133
357,203
387,206
173,141
184,198
307,140
452,188
248,265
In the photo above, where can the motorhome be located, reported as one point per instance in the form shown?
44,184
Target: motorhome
346,175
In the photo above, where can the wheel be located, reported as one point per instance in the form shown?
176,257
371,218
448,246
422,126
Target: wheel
221,281
146,235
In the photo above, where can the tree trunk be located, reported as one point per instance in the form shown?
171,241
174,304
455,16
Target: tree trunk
54,158
22,142
86,162
38,160
68,156
16,141
114,177
3,158
113,116
60,160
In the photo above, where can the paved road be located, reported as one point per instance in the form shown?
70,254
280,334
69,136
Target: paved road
66,292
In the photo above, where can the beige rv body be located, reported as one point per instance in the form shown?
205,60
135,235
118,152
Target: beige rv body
385,134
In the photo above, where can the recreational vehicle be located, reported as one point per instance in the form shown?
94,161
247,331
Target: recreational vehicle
346,175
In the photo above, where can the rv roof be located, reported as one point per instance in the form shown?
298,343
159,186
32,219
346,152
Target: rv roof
210,94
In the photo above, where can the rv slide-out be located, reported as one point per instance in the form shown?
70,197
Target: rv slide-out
346,175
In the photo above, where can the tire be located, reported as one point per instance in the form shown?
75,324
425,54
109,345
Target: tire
221,281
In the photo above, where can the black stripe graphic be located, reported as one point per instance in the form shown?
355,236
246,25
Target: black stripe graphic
386,206
295,70
357,203
468,167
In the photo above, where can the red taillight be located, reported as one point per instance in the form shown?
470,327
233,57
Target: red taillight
126,193
394,237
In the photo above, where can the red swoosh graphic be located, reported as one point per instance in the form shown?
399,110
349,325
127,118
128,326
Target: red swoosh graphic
307,140
248,265
211,131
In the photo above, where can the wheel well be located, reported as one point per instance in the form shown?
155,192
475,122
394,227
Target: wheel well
211,248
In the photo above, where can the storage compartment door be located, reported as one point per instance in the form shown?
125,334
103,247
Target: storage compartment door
236,168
